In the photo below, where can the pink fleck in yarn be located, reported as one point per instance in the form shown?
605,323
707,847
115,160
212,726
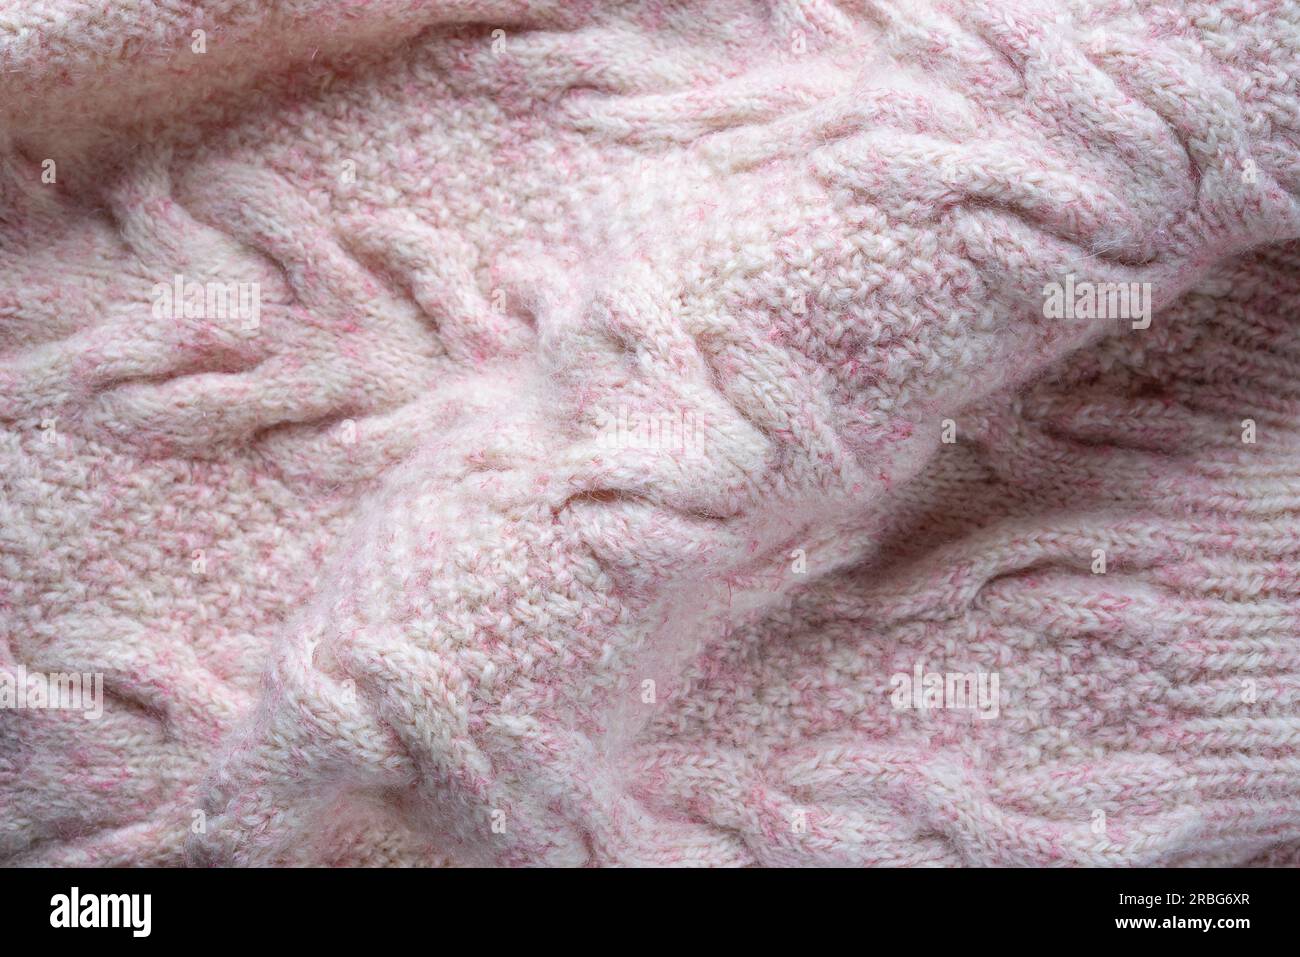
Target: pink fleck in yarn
392,577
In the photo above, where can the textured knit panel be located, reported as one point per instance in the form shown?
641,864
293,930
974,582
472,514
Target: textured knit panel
385,578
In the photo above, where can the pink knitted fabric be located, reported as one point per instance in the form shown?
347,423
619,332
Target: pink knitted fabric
637,394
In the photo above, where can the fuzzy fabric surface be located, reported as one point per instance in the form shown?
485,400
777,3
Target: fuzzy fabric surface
471,432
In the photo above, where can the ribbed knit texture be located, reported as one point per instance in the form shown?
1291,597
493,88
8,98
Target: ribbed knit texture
383,580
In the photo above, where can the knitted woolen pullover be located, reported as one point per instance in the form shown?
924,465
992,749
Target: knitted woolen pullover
637,394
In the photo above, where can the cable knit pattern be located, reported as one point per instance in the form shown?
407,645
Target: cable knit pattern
384,579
